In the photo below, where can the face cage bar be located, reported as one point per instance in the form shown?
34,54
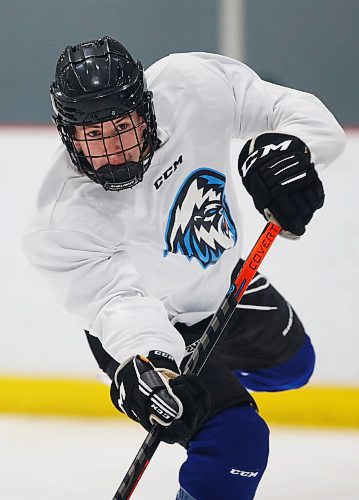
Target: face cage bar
117,176
101,143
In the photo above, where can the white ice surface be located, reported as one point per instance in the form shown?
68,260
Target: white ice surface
78,459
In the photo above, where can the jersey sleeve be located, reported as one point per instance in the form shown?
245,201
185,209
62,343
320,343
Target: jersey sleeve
98,284
261,107
303,115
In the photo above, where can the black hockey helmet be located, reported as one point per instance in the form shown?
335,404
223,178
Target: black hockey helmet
99,83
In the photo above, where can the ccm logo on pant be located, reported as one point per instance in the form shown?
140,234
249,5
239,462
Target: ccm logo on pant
243,473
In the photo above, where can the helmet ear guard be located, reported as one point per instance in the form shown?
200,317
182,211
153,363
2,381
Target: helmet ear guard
98,82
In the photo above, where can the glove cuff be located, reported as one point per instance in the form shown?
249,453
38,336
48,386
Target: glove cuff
164,363
161,361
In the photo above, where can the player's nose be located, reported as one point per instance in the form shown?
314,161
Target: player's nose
114,151
117,158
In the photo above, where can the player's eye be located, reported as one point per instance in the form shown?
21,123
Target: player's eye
122,126
92,134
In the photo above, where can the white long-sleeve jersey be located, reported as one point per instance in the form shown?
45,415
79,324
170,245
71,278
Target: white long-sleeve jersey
132,263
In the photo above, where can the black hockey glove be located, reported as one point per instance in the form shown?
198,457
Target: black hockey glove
150,390
277,172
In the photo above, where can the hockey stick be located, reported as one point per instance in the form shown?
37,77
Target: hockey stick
203,350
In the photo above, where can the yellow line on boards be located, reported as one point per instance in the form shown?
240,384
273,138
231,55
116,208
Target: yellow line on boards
73,397
310,406
320,406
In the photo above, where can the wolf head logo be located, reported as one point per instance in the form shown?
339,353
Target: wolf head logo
199,223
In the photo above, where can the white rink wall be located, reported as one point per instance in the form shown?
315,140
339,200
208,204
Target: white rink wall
317,274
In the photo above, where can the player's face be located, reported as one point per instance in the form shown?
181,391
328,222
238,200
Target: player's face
113,142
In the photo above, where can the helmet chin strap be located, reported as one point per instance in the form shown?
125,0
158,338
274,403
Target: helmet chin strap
115,177
129,174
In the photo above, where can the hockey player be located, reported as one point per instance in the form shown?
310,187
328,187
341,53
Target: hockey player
138,233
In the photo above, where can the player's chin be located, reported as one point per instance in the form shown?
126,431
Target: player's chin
106,167
118,162
114,161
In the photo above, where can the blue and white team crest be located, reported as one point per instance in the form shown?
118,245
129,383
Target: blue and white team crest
200,225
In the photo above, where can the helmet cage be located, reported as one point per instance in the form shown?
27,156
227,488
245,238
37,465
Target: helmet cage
112,176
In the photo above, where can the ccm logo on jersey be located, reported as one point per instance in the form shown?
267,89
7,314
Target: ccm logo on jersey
243,473
167,173
265,151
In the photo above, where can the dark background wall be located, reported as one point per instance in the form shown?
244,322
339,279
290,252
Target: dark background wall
308,44
33,33
312,45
